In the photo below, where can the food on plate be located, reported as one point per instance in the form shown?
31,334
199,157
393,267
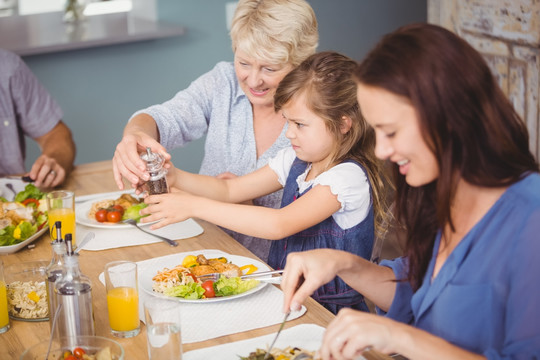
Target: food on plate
113,211
23,217
204,266
182,280
80,354
289,353
27,299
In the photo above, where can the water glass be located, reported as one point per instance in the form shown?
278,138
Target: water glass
162,318
61,207
4,317
122,298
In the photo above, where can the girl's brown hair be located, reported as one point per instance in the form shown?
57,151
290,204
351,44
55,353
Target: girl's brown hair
326,80
468,122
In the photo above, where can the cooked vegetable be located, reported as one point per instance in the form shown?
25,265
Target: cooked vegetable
132,212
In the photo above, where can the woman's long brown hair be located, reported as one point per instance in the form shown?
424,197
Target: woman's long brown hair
326,79
469,124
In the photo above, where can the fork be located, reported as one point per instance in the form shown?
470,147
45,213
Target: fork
134,223
256,276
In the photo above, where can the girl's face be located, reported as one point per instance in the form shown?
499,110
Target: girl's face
398,134
259,80
309,136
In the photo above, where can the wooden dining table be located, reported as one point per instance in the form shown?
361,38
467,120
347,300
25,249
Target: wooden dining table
97,177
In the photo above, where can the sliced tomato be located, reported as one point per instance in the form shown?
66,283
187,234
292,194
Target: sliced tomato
208,287
31,202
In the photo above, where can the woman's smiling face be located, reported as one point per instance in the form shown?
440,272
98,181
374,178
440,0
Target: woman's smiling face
259,80
398,134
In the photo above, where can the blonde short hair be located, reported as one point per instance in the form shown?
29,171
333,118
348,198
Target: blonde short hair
277,31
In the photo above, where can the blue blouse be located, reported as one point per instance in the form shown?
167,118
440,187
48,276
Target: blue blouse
486,297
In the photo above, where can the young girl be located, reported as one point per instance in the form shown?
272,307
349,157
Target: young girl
329,175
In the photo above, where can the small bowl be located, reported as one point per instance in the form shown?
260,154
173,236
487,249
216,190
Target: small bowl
90,344
27,290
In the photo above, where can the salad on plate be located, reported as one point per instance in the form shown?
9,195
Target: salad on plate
23,217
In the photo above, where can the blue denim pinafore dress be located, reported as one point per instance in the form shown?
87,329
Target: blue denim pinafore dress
327,234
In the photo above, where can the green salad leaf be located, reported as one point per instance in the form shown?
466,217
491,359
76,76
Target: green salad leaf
30,192
191,291
233,286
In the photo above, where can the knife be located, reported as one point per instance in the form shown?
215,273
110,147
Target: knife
267,356
25,178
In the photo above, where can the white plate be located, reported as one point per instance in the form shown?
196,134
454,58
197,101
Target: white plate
18,186
82,210
305,336
145,278
14,248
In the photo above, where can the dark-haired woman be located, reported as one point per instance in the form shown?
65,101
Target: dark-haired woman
468,192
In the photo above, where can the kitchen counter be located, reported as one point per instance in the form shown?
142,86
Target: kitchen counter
46,33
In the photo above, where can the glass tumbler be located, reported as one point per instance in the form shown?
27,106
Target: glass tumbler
122,298
162,317
4,317
61,207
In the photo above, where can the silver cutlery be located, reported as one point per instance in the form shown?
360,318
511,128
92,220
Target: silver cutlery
134,223
86,239
267,356
261,276
10,187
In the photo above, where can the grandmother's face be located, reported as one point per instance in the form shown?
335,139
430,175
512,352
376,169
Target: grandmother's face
258,79
398,134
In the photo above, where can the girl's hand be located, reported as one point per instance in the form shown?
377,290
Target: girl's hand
127,162
352,332
168,208
305,272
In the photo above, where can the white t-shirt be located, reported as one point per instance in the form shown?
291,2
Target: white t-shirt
346,180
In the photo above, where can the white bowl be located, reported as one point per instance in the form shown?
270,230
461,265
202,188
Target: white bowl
90,344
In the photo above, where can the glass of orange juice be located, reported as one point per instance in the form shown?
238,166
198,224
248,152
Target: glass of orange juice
61,207
122,298
4,317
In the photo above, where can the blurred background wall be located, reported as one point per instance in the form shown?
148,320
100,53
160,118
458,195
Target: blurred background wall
99,88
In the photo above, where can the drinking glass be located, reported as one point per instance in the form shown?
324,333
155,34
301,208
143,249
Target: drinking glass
162,317
122,298
4,317
61,207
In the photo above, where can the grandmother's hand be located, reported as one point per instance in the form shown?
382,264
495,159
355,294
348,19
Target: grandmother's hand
127,162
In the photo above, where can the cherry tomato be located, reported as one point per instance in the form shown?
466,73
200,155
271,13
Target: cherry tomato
208,287
79,352
119,208
114,216
101,215
71,357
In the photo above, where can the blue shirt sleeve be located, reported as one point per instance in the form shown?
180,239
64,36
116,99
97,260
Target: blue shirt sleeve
400,310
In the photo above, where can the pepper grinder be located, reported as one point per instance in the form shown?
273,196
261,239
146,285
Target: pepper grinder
157,184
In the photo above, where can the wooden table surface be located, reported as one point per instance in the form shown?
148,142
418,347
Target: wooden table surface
96,178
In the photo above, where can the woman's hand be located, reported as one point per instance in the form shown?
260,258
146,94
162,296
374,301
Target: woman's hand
352,331
127,162
305,272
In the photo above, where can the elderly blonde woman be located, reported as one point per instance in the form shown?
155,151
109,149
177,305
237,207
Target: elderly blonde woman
233,104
